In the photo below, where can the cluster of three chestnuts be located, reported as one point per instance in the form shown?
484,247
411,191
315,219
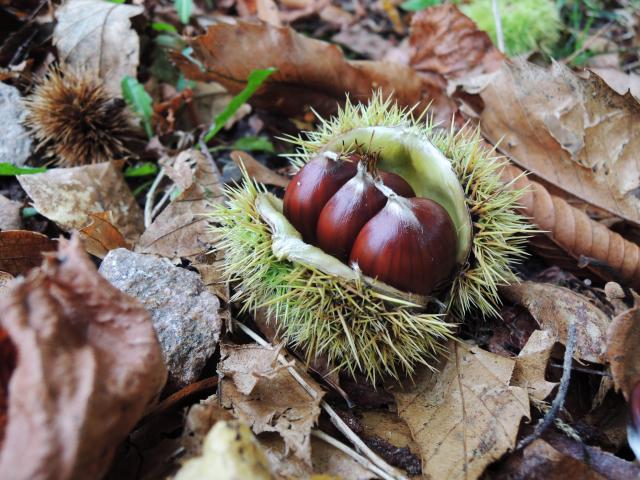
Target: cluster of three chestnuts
373,220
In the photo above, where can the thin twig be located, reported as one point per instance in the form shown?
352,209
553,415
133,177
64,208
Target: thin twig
558,402
498,20
352,453
148,207
586,44
335,418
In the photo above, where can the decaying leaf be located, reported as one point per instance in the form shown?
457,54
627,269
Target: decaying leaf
266,396
232,452
540,461
68,196
554,308
447,44
466,415
96,36
21,250
623,350
182,229
5,278
311,74
102,236
531,365
258,171
575,133
88,366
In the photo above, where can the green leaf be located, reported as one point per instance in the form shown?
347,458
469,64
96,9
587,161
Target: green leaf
255,79
184,8
9,169
139,100
143,170
28,212
254,144
417,5
163,27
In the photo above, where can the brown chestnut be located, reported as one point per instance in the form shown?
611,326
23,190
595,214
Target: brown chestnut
353,205
410,244
311,188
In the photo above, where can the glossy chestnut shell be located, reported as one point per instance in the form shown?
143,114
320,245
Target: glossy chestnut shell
361,216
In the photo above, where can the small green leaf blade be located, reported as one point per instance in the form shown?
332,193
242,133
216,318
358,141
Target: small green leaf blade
417,5
139,101
184,9
10,170
254,80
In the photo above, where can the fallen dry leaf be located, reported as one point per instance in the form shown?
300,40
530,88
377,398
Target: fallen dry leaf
623,350
258,171
554,308
96,36
619,81
447,44
466,415
232,452
575,133
531,365
21,250
540,461
5,278
267,397
10,218
102,236
68,196
88,366
8,356
182,229
312,73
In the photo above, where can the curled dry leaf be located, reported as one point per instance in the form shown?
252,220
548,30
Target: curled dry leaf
554,308
575,133
623,350
88,366
267,397
68,196
312,73
96,36
466,415
21,250
531,365
182,229
569,229
101,236
258,171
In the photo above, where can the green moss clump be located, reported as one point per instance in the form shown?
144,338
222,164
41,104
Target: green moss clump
526,24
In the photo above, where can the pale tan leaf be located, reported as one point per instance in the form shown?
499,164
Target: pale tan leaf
623,350
89,364
96,36
182,229
531,365
10,218
68,196
5,278
555,308
466,415
229,452
575,133
275,402
311,74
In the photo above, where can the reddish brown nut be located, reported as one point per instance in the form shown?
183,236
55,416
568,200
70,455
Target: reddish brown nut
410,244
311,188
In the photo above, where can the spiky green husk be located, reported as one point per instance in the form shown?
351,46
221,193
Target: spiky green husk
353,326
356,328
500,233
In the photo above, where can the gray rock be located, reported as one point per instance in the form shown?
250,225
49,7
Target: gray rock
15,142
184,312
